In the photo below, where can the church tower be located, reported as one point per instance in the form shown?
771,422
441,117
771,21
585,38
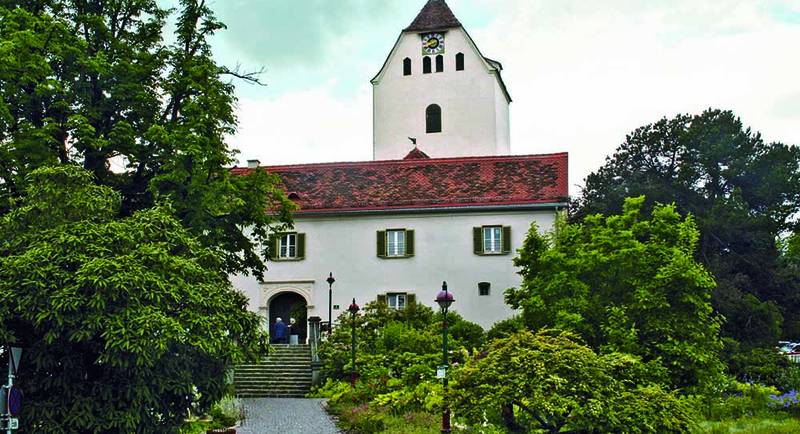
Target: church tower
437,88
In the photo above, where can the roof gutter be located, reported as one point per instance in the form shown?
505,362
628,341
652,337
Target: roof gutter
435,210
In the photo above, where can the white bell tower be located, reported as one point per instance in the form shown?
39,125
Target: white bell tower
437,88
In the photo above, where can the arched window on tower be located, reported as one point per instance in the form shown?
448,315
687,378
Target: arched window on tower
406,66
460,62
426,65
439,63
433,119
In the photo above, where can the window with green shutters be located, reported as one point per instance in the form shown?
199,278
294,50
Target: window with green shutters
397,300
290,246
395,243
491,240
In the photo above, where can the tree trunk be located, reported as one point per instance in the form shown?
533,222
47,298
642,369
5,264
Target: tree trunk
509,421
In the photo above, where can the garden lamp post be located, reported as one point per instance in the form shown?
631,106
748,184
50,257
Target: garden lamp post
353,309
444,299
330,281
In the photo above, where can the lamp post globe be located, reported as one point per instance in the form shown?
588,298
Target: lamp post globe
353,309
330,281
444,299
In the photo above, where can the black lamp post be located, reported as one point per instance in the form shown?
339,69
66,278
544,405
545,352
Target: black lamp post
330,281
353,309
445,299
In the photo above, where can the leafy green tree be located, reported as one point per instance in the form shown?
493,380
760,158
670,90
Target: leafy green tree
792,251
125,320
560,386
789,278
743,193
93,83
625,283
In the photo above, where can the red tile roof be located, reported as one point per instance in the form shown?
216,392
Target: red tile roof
425,183
435,15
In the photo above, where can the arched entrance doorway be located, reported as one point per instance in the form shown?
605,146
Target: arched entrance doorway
287,305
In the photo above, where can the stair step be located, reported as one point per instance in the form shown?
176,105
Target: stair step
265,367
275,382
284,373
272,374
275,391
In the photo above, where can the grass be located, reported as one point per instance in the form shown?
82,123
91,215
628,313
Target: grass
366,419
775,425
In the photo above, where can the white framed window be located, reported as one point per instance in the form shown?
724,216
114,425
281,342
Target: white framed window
492,239
396,243
396,300
288,246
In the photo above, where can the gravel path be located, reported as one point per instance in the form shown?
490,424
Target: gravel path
285,416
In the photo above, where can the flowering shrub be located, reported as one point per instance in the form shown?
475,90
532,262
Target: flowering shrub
737,400
786,400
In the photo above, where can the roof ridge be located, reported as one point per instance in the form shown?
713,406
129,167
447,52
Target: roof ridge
431,160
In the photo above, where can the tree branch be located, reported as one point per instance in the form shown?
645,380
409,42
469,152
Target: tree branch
249,77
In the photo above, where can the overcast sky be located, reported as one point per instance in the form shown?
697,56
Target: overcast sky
582,73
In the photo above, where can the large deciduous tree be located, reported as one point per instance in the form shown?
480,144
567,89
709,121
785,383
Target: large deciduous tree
124,320
93,83
744,193
625,283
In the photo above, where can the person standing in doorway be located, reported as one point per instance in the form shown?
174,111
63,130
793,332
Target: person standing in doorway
280,336
292,332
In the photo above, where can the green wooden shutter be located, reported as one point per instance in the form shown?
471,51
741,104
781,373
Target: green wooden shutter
381,244
411,299
382,298
409,242
272,246
506,239
301,246
477,240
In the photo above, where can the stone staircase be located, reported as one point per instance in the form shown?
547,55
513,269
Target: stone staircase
285,373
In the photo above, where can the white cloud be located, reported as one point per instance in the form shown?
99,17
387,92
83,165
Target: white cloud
305,127
584,74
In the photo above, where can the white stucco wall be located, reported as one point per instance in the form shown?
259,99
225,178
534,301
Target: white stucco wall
346,246
474,114
503,131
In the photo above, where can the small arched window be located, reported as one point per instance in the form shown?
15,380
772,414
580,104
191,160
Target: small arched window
406,66
433,119
460,62
439,63
426,65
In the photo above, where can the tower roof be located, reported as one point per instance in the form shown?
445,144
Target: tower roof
433,16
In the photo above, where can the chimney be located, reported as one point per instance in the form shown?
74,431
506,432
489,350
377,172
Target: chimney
252,164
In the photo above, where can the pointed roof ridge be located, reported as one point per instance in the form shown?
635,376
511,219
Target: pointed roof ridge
434,15
416,154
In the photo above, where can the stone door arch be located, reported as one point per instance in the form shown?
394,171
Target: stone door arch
287,305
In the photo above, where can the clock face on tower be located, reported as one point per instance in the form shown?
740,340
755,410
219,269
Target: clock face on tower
433,43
